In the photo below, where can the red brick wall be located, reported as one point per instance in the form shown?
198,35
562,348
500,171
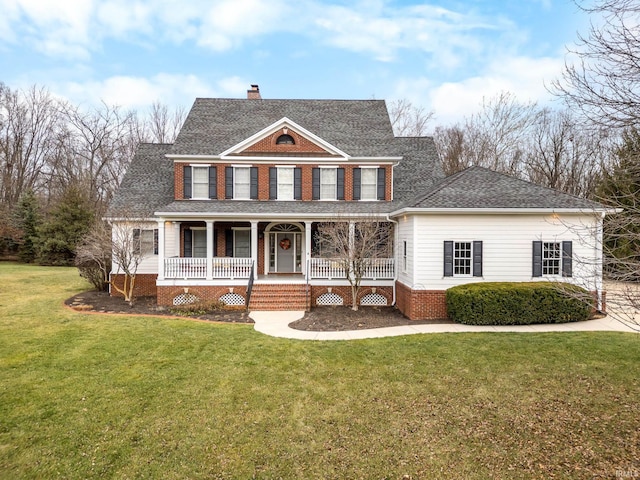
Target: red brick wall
263,180
302,146
145,285
345,293
166,294
421,304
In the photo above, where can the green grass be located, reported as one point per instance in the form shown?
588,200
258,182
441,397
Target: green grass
96,396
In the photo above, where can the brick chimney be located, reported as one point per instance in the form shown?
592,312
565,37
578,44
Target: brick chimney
254,93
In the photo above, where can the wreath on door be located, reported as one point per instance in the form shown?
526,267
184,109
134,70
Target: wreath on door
285,244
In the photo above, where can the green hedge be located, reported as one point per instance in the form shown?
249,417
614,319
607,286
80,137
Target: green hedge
509,303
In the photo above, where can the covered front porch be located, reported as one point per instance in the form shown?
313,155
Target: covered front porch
234,251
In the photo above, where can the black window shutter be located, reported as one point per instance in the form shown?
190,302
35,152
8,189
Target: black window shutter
382,183
448,258
477,258
186,176
215,243
213,182
228,182
537,258
136,241
155,241
228,236
297,183
357,183
254,183
273,183
567,259
316,183
340,180
188,243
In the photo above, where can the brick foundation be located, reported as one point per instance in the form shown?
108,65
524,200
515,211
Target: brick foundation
345,293
421,304
205,293
145,285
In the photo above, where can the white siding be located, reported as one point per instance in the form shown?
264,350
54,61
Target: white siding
121,231
405,227
507,247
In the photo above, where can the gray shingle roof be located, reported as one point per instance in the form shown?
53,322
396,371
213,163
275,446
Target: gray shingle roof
357,127
478,187
147,185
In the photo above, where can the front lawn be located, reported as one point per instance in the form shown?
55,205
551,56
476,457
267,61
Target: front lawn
97,396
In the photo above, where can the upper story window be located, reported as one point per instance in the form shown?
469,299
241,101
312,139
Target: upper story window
285,140
285,183
328,183
200,182
241,183
369,183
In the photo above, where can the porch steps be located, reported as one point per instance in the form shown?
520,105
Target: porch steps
292,296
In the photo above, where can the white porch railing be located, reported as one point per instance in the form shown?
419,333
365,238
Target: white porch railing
221,267
330,268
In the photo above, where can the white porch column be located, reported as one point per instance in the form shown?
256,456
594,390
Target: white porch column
307,247
254,247
176,246
161,249
209,271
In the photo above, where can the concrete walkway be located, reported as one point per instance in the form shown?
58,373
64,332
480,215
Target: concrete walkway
276,324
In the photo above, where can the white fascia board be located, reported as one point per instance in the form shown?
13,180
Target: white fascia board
266,216
130,219
282,123
498,211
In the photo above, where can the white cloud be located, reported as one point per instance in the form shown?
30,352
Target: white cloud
137,92
524,77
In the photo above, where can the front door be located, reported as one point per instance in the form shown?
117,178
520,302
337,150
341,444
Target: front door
286,248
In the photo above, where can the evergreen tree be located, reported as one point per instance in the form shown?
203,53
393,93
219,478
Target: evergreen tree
620,189
28,219
61,233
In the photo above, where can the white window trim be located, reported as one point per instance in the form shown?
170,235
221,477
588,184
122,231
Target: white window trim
293,182
193,181
463,275
375,190
335,189
235,189
560,258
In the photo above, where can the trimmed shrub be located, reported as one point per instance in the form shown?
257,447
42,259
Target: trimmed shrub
198,308
511,303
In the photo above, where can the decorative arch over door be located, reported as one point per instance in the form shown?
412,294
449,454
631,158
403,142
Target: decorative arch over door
284,247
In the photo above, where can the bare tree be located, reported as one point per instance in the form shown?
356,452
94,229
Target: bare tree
358,245
93,255
164,125
407,119
603,82
29,122
494,137
130,245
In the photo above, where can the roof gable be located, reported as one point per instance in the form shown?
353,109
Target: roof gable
358,128
264,142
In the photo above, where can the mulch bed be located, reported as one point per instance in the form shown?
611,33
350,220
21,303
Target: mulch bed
320,319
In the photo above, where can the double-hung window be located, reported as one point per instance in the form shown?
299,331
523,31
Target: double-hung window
200,182
241,183
369,184
328,183
462,259
285,183
552,258
145,241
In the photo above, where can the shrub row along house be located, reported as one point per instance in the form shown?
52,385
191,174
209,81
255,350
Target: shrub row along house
233,210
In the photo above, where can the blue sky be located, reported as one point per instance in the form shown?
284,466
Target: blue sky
442,55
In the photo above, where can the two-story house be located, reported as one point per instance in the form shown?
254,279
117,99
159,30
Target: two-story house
233,206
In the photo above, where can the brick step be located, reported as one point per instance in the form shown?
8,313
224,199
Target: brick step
278,297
